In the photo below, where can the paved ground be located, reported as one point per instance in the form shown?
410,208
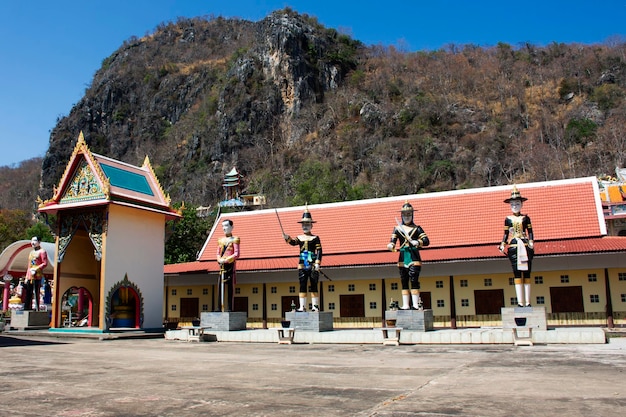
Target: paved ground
43,376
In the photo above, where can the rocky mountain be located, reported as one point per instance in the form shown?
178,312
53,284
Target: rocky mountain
309,114
19,185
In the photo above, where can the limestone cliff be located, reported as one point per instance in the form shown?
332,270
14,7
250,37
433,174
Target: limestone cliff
308,114
199,97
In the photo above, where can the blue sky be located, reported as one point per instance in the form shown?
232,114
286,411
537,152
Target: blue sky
50,50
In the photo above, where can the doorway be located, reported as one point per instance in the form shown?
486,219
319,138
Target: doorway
288,303
489,301
352,305
189,309
567,299
77,308
240,304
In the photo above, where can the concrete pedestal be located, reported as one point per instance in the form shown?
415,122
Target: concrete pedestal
22,320
227,321
524,318
313,321
420,320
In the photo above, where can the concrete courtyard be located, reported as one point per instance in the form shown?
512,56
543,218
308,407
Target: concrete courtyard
48,376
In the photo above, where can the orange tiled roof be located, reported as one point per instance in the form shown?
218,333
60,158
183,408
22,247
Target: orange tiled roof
466,224
186,267
604,244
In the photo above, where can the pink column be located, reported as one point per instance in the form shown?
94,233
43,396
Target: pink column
81,303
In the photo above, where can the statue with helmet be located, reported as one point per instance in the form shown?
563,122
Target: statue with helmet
518,239
410,239
309,261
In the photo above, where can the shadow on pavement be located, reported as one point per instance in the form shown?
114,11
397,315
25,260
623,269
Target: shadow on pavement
16,341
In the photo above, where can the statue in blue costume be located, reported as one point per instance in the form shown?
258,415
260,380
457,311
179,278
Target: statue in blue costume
310,261
519,230
411,238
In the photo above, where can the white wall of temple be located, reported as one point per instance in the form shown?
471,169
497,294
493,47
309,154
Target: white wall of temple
134,246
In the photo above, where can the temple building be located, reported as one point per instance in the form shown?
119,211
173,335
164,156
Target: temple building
578,272
110,226
234,199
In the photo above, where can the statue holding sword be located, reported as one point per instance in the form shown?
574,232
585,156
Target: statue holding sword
309,261
410,238
227,254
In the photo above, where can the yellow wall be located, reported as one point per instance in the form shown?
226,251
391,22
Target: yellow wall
466,316
618,289
79,258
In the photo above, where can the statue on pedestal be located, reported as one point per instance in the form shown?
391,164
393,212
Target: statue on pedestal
309,262
411,238
227,254
37,261
519,230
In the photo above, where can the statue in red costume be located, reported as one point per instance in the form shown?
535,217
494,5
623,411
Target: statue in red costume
227,254
37,261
